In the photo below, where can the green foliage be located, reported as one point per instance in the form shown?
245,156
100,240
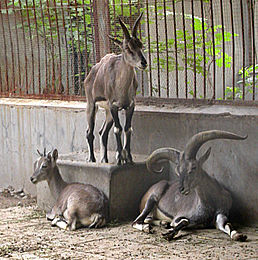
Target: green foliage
76,15
50,19
246,73
203,52
238,93
200,48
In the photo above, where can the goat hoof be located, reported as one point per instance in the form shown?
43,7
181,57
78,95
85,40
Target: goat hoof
50,216
129,161
239,237
169,235
151,231
119,162
104,160
126,161
165,224
54,221
92,160
146,228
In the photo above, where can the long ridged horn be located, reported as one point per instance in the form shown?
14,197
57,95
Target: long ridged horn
194,144
125,30
135,26
161,154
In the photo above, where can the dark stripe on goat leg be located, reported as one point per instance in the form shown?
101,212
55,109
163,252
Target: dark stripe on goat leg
118,132
183,222
90,112
128,131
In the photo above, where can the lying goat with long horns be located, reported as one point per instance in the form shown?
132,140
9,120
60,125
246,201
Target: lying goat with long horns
194,199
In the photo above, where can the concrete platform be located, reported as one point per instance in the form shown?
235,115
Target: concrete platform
27,125
123,185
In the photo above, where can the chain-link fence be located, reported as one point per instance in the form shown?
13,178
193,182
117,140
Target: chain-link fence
195,48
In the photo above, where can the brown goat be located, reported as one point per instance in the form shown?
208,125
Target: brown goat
112,84
77,204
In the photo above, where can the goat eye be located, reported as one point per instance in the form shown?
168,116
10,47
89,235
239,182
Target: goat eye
192,169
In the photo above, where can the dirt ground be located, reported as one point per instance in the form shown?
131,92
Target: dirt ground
26,234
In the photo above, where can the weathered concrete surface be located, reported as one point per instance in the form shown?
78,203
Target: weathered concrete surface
124,185
26,125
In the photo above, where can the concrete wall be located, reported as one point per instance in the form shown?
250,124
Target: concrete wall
27,125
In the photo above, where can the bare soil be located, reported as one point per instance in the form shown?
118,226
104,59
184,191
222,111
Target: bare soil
26,234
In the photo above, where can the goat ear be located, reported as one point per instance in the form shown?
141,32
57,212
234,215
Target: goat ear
204,158
49,156
125,30
116,41
55,154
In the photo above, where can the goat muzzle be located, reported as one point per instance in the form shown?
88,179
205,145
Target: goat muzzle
33,180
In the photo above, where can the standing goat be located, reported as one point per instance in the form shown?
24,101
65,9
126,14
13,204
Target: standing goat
195,199
76,204
112,84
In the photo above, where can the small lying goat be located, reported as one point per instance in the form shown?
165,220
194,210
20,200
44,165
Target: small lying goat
76,204
112,84
194,199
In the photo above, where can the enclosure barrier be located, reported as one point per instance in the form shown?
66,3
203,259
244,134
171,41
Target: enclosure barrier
196,49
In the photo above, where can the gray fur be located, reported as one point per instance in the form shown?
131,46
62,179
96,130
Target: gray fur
114,81
193,199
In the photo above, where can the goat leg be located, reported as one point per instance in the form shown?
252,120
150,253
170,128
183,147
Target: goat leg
104,136
182,222
150,204
223,225
90,112
118,132
128,131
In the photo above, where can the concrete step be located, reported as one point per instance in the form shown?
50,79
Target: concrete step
123,185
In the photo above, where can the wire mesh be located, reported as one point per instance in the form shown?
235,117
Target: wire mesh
195,49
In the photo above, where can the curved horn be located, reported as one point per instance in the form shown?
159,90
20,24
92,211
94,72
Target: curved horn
205,157
194,144
170,154
125,30
39,152
135,26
